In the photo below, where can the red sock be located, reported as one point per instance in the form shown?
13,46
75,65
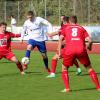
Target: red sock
94,78
65,79
53,65
76,63
19,66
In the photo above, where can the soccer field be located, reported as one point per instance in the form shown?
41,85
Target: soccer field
35,86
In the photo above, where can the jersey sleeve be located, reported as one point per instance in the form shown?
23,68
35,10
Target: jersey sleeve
62,32
85,33
46,23
15,35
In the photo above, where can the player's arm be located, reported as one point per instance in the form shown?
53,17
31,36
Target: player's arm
89,40
23,32
89,46
48,24
60,44
15,35
52,34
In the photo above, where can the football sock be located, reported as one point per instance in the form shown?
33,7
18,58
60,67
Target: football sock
27,53
53,65
65,79
46,63
19,66
94,78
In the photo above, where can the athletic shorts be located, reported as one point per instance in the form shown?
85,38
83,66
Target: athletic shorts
8,55
40,45
83,57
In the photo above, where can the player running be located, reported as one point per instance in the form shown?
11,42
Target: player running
5,41
56,56
34,27
75,36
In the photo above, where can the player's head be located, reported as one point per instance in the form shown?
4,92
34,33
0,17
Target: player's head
3,26
73,19
30,15
66,19
12,16
62,16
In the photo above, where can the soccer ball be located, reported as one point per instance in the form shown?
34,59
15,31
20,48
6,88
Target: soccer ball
25,60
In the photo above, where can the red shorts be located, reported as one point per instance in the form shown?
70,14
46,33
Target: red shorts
68,60
6,54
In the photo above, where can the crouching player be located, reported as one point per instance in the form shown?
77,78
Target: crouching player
5,41
75,36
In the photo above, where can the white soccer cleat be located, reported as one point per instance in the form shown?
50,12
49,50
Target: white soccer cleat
65,90
78,71
51,75
22,73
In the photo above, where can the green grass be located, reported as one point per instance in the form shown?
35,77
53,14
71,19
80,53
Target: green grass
35,86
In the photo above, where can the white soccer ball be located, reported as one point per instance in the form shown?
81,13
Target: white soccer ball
25,60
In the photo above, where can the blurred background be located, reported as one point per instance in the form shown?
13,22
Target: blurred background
88,11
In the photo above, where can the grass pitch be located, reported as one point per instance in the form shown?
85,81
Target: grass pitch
35,86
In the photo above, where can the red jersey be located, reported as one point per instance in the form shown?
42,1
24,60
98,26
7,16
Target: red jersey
5,40
74,36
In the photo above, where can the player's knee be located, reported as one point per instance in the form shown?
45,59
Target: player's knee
88,66
29,47
44,55
55,57
14,59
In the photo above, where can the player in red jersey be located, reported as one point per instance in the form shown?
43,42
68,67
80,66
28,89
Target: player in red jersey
5,42
75,36
56,56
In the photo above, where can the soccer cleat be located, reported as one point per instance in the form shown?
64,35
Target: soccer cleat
65,90
79,71
98,88
52,75
22,73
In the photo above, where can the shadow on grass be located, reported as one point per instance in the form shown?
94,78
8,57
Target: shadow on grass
98,73
35,73
9,75
16,74
86,89
6,62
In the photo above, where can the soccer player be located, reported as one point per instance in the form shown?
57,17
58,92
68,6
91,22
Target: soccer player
13,23
34,27
56,56
5,41
75,36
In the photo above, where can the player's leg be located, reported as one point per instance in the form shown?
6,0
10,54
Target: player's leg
30,46
10,56
53,66
77,67
45,60
84,59
42,48
65,78
68,60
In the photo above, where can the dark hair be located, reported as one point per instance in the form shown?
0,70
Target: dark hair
62,15
3,23
73,19
30,13
66,18
12,16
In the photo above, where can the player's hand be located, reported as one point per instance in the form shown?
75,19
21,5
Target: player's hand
21,41
89,47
